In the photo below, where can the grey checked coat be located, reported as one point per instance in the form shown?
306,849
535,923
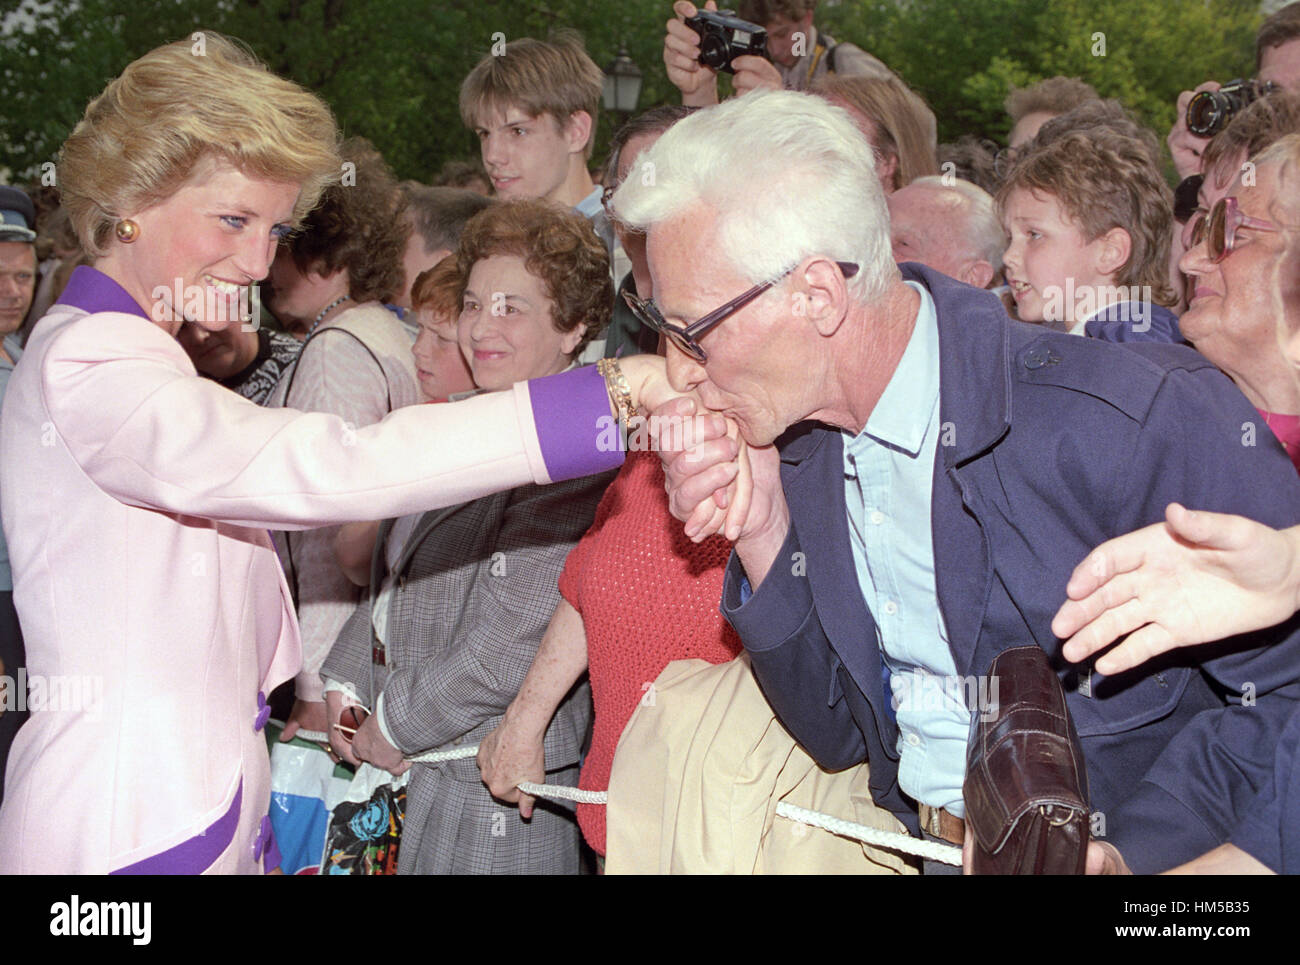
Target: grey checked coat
476,589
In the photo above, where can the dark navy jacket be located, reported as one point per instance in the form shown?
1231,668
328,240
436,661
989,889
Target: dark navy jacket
1049,445
1117,323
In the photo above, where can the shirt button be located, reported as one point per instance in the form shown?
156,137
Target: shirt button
913,740
891,608
263,712
876,517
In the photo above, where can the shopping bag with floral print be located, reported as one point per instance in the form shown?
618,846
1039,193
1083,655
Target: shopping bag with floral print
365,828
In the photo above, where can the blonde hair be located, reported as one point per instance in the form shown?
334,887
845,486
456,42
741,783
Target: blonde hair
539,77
904,123
180,104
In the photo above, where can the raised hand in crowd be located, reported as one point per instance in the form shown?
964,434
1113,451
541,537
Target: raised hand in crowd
1195,578
698,84
1186,147
755,73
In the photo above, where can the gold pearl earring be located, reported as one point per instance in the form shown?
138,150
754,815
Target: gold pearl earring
127,231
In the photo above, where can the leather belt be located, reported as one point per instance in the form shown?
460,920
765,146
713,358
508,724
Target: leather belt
942,824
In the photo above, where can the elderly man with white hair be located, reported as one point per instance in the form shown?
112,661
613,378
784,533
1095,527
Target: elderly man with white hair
940,471
950,225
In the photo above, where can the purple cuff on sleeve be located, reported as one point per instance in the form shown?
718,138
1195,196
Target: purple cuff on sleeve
577,435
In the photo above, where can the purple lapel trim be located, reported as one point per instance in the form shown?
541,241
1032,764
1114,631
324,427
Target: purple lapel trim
197,854
93,291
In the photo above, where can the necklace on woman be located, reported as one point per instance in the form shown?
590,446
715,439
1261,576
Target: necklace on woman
325,311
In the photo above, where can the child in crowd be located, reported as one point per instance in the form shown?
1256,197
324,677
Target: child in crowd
1089,219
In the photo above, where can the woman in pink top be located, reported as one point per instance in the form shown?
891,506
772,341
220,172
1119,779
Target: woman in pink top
136,495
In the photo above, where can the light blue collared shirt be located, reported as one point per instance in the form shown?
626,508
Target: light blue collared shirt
888,475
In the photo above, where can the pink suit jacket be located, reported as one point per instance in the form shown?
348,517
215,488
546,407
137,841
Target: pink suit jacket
136,498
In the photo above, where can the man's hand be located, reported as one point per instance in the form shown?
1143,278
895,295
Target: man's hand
370,745
754,73
698,84
306,715
717,483
1104,859
1195,578
506,757
1186,147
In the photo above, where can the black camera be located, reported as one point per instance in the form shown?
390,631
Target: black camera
1210,110
724,36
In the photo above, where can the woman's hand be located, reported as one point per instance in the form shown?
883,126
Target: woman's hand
506,757
647,377
309,715
1195,578
370,745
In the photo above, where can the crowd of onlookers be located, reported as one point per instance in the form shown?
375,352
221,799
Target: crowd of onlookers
535,622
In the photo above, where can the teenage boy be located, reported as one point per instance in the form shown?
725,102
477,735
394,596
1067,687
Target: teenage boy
533,105
1089,218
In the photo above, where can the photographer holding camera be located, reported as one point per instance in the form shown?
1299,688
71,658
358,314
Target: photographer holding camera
1204,112
766,43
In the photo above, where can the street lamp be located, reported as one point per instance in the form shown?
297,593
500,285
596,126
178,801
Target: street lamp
622,84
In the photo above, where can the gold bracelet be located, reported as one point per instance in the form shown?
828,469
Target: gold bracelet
620,393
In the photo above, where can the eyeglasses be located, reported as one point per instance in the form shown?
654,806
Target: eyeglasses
686,337
1219,228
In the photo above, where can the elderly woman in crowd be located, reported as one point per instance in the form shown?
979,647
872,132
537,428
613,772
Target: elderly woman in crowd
136,495
1199,576
464,594
1229,318
329,281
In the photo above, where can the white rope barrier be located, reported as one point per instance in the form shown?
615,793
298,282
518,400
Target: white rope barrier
846,829
891,840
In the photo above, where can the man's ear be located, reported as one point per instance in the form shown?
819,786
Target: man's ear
1116,246
821,294
977,273
577,131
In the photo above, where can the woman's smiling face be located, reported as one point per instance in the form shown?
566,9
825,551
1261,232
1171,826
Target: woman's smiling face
209,242
507,330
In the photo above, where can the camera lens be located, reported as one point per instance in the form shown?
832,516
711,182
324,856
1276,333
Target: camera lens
713,52
1208,112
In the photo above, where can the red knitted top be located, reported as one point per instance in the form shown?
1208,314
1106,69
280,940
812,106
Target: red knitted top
648,596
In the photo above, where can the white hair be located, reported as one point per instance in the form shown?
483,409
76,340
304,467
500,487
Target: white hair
985,236
790,177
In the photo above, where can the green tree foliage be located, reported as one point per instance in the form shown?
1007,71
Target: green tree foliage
391,69
964,55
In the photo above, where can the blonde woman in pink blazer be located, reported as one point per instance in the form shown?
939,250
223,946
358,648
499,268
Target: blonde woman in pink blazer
136,495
